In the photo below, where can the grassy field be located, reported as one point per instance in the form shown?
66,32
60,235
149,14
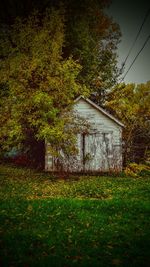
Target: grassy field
82,221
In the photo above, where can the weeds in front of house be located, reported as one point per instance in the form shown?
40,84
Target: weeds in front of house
137,170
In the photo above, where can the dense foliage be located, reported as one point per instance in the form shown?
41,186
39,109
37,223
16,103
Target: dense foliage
131,104
38,85
48,57
91,36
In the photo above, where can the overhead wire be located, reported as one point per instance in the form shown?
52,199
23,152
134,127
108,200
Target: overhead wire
147,39
135,40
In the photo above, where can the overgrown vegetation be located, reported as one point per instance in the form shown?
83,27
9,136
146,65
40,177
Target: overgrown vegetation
49,56
135,170
83,221
130,103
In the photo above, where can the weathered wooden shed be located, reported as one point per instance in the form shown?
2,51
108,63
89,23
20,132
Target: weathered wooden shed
99,150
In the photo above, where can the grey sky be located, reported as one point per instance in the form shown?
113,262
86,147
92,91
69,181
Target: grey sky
129,15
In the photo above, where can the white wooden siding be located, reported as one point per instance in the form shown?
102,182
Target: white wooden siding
101,149
98,120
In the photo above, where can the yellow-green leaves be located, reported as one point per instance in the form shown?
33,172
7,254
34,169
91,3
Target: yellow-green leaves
41,84
131,104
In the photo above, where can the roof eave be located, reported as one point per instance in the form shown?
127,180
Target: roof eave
100,109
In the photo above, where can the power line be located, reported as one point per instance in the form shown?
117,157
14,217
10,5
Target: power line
136,57
140,29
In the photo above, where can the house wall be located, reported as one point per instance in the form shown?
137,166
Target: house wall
102,127
98,121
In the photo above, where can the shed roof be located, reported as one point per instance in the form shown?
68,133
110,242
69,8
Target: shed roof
99,109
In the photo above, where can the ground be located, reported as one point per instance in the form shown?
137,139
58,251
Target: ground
81,221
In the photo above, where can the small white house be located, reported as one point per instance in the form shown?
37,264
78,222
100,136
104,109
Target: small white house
99,150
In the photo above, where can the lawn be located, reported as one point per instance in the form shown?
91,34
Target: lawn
81,221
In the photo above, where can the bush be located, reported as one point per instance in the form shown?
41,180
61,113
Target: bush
134,170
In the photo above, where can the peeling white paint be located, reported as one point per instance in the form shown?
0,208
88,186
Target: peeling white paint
99,150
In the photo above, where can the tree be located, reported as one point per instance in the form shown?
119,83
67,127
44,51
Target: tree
131,104
41,84
91,37
47,59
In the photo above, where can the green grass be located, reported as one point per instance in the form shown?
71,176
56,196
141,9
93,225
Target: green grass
82,221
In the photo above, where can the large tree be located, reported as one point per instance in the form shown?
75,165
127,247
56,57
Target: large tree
91,37
47,59
38,86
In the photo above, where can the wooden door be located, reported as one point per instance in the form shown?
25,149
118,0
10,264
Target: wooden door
97,152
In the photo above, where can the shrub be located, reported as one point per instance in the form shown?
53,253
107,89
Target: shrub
134,170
